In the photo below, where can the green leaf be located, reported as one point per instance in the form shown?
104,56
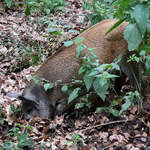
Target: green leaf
35,59
24,141
68,43
35,79
79,49
8,2
8,145
73,31
64,88
125,106
132,36
79,105
76,137
93,73
73,95
88,80
121,5
94,18
115,25
114,112
51,30
141,15
79,39
56,33
48,86
101,86
115,65
81,70
66,26
59,8
27,11
47,11
116,102
100,109
107,75
100,68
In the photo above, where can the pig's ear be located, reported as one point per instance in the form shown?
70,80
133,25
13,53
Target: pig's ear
20,96
28,98
14,95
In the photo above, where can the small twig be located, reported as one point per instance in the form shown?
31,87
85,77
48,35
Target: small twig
105,124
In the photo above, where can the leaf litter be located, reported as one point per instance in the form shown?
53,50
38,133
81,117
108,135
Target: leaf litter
90,131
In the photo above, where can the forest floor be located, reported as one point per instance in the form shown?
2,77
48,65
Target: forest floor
23,40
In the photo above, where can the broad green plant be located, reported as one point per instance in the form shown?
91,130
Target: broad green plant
14,109
18,139
9,3
95,76
130,99
101,9
43,82
137,13
46,6
75,139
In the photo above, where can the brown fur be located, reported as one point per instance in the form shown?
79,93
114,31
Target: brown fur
64,65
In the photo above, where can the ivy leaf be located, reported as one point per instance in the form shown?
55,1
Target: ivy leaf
141,15
48,86
64,88
125,106
115,112
132,36
101,86
68,43
73,95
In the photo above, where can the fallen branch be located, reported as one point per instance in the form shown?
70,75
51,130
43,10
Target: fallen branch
105,124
